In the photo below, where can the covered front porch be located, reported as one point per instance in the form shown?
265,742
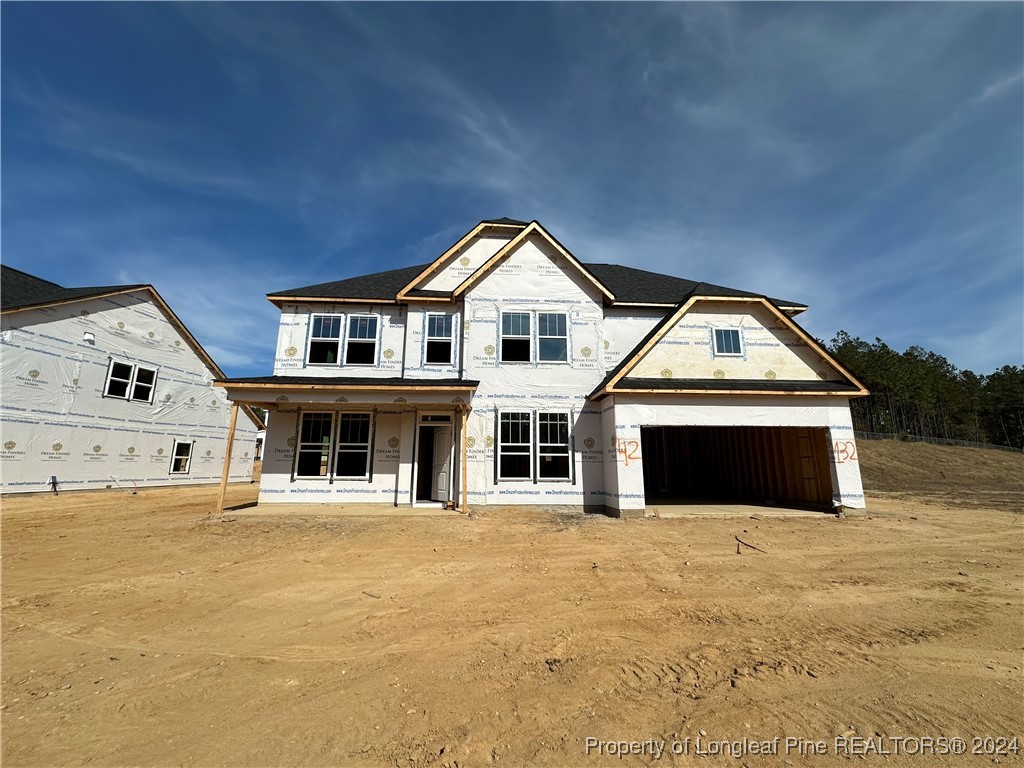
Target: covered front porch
360,441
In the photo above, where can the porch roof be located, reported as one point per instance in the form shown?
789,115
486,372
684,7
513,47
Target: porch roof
344,383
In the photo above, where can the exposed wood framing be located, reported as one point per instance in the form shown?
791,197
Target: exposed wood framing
463,241
227,459
782,317
533,228
463,464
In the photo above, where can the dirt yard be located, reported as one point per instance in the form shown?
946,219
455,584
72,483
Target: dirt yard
137,633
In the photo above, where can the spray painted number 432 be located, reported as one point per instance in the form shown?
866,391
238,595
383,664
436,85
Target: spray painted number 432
844,450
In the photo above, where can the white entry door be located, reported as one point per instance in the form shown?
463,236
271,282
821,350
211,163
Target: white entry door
442,468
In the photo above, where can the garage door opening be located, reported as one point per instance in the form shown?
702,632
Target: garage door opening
776,466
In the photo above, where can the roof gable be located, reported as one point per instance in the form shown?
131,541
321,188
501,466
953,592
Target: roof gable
494,226
22,291
637,372
533,230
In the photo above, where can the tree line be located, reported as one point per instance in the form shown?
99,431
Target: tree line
917,392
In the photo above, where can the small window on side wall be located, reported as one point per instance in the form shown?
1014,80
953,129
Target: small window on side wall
361,347
181,459
727,342
439,340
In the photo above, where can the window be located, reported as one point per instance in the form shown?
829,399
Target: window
517,447
324,340
515,337
514,447
727,341
439,340
361,348
553,446
314,445
353,459
181,459
347,435
552,344
130,382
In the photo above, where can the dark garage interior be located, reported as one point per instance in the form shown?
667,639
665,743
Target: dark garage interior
778,466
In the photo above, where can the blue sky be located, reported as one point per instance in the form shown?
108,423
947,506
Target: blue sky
863,158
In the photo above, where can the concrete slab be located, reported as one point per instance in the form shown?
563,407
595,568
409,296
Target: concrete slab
730,510
336,510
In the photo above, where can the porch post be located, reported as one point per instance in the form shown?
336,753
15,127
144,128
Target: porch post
463,468
227,459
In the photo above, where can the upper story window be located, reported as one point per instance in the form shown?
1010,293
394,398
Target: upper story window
324,340
515,337
439,340
361,345
130,382
727,342
552,338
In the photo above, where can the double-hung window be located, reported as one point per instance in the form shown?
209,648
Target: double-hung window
343,436
518,446
314,445
181,457
553,446
324,340
361,346
514,447
439,340
727,342
552,338
353,446
130,382
515,337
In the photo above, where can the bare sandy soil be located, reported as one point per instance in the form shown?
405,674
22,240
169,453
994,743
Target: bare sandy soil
137,633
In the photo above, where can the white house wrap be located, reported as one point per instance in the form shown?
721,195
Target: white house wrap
508,372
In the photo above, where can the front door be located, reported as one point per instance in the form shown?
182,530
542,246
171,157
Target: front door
442,465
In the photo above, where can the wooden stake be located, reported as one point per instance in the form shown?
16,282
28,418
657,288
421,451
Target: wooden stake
227,460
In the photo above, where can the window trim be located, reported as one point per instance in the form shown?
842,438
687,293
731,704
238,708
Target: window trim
188,459
535,453
349,340
739,340
568,447
334,445
131,381
309,343
499,453
427,338
563,361
502,336
299,443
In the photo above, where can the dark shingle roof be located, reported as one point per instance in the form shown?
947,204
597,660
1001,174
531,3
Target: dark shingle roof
638,286
505,220
379,285
630,286
725,385
20,289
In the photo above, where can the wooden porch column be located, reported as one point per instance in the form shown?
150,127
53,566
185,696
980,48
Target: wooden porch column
227,460
463,467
